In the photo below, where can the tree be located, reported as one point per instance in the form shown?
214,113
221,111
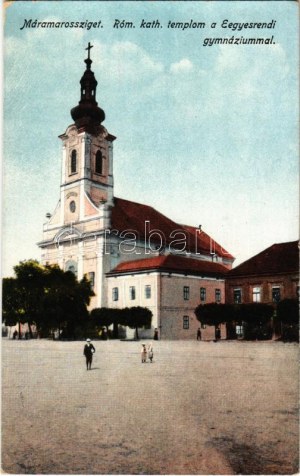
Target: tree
288,311
65,302
101,317
256,319
46,296
12,311
135,317
214,314
254,316
288,315
105,317
30,289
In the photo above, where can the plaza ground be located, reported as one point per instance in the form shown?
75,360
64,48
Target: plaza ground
199,408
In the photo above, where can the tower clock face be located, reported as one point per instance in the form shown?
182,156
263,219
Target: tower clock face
72,206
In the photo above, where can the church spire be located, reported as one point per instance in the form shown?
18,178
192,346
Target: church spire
87,115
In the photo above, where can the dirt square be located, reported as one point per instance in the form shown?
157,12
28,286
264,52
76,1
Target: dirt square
199,408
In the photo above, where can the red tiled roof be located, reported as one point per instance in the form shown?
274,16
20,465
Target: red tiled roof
205,243
127,215
172,263
279,258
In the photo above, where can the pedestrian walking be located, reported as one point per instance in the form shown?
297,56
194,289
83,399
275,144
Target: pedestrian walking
144,353
199,334
150,351
88,351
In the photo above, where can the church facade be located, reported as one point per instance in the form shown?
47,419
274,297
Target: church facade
132,254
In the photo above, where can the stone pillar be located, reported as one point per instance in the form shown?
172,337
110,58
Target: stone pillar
80,269
64,167
99,271
110,181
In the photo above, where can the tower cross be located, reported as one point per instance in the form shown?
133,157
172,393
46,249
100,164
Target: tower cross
89,48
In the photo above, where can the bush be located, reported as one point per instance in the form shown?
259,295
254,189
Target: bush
288,311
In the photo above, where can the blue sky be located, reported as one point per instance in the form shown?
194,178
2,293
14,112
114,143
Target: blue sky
206,135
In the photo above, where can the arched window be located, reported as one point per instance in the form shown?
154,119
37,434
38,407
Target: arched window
98,162
71,266
73,161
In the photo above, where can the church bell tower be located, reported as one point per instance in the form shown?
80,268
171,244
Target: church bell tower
87,165
74,236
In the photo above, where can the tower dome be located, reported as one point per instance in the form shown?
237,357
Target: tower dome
87,115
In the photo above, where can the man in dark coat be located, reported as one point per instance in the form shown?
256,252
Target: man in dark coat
88,351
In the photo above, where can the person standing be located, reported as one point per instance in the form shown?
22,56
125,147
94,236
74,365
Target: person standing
155,334
199,334
144,353
88,351
150,352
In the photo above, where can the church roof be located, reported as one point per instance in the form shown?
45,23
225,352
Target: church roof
127,215
279,258
172,263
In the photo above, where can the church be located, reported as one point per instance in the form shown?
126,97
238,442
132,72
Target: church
132,254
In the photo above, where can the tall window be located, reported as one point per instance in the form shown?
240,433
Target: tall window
237,296
186,293
115,294
218,295
132,292
147,291
186,322
73,161
71,266
202,294
256,294
91,278
98,162
275,294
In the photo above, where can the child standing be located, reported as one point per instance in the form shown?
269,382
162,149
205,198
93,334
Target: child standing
144,353
150,352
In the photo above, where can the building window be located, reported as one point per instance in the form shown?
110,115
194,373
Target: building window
72,206
132,292
147,291
73,161
275,294
202,294
186,322
71,266
218,295
91,278
237,296
115,294
186,293
256,294
98,162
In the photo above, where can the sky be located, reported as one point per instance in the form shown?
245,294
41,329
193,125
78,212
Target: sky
205,134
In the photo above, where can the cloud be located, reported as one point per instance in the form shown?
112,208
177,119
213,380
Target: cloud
126,61
183,66
224,132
